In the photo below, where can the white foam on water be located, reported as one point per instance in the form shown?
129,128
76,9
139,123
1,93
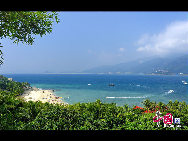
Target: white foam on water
169,92
127,97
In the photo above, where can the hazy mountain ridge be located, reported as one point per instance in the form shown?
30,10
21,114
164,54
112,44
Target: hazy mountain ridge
157,65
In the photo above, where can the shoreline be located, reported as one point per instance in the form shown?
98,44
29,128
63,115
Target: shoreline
36,94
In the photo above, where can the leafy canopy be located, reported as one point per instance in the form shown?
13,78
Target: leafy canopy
20,26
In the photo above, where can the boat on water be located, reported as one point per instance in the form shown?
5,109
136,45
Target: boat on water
170,91
111,84
184,82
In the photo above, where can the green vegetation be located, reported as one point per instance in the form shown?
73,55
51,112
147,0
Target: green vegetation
16,114
20,26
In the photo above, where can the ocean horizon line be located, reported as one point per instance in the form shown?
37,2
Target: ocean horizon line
99,74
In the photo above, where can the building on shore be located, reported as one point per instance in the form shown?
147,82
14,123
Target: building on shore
10,79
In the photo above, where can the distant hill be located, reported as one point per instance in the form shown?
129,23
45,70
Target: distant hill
156,66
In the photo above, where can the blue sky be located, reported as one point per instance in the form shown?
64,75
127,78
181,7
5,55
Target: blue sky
83,40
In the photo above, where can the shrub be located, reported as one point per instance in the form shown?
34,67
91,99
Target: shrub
16,114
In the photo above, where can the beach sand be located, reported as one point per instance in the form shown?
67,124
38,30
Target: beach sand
43,96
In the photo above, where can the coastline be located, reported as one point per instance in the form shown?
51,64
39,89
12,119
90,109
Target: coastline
36,94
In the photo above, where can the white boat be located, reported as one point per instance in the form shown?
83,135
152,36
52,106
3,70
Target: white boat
88,84
170,91
184,82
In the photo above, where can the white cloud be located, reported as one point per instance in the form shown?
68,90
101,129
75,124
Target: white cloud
174,39
121,49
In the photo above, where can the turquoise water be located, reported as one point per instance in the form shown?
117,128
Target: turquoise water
128,89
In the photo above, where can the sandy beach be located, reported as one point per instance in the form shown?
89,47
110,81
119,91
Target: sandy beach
43,96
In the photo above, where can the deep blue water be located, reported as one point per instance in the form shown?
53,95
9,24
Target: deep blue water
128,89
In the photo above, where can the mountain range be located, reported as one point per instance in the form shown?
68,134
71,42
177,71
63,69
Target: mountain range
168,65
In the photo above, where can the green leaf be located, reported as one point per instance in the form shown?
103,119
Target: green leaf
21,26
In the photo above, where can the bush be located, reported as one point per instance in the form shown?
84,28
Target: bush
16,114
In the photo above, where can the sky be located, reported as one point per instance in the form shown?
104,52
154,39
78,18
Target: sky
84,40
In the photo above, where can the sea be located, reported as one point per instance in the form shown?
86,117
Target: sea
110,88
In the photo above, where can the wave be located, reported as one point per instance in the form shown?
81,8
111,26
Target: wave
128,97
168,93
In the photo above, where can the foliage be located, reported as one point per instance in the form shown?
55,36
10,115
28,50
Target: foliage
15,88
16,114
20,26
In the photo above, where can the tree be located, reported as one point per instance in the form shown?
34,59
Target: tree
20,26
